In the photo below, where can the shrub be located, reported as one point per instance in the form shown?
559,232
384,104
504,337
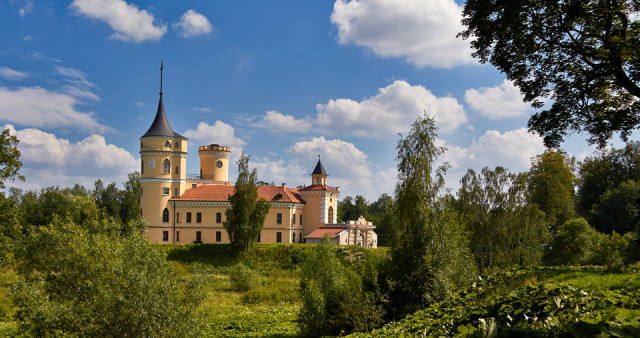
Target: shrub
243,278
333,298
609,249
572,244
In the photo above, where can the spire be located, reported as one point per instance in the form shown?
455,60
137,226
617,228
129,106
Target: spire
319,170
160,125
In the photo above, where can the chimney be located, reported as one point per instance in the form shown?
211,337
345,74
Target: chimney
284,186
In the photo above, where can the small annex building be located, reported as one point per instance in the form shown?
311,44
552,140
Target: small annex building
182,207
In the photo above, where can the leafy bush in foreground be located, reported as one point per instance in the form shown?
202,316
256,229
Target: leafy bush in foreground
94,280
243,279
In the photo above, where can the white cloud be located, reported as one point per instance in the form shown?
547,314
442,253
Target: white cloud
11,74
423,31
277,121
193,23
202,109
39,107
130,23
49,160
26,37
512,150
497,102
26,8
219,133
391,111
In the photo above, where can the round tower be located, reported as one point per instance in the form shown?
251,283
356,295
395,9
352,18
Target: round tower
163,158
214,162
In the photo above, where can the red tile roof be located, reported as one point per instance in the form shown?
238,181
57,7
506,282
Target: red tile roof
222,192
319,233
319,187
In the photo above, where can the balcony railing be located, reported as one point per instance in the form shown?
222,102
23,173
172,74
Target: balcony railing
199,177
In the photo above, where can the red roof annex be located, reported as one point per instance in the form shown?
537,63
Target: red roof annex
219,193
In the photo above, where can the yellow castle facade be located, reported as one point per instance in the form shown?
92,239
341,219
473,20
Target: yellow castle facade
190,208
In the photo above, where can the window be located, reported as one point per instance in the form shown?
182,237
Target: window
188,217
279,218
294,238
198,217
218,236
177,170
177,145
167,144
165,236
166,166
152,163
330,215
142,166
278,237
177,217
193,185
177,236
199,236
259,238
165,215
175,191
360,240
293,219
165,191
300,219
218,217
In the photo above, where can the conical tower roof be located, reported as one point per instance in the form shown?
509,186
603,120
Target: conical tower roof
319,170
160,125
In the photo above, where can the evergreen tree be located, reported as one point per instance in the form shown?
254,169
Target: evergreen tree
245,216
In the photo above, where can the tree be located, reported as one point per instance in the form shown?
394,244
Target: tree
580,55
504,228
9,158
245,216
618,209
572,244
130,198
381,214
93,280
551,184
424,247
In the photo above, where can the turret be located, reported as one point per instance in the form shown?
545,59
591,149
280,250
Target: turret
214,162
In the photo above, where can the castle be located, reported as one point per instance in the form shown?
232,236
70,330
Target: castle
190,208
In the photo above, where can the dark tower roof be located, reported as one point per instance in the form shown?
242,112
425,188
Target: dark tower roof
319,170
160,125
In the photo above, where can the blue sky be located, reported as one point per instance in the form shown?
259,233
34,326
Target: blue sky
284,81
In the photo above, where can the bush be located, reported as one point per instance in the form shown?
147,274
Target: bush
244,279
333,299
94,280
573,243
609,250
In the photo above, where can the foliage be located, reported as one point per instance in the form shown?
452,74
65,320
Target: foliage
10,229
504,228
333,300
609,249
580,55
618,208
246,214
243,279
572,244
9,158
123,205
94,280
424,249
351,208
379,212
527,302
551,186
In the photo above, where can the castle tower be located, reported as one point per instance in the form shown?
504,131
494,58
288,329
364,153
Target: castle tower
214,162
163,158
321,201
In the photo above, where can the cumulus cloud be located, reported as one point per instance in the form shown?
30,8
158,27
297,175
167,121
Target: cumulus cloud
130,23
193,23
11,74
423,31
502,101
220,133
41,108
49,160
391,111
277,121
512,150
26,8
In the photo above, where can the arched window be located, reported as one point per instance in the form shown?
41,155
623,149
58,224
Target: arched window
167,144
177,145
165,215
330,215
142,166
166,167
360,240
177,170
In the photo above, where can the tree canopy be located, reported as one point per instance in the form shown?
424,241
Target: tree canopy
245,216
9,158
581,55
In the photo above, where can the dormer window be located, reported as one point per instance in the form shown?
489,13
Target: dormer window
167,144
